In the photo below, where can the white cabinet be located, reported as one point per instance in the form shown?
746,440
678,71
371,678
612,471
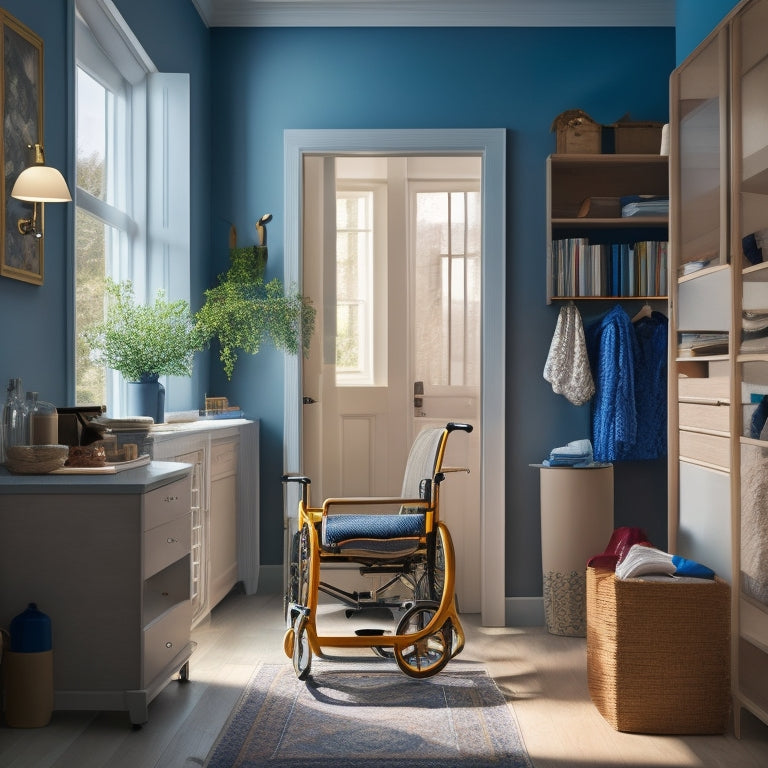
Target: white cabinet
223,527
225,504
108,559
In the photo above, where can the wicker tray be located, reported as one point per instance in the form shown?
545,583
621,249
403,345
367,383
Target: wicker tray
658,653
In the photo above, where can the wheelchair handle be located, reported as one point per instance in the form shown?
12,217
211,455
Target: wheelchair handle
303,479
305,482
452,426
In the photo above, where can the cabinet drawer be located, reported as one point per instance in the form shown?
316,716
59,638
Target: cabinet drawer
716,388
704,416
166,543
165,638
166,503
223,459
708,449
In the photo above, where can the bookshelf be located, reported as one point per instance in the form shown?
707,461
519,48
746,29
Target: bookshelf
591,248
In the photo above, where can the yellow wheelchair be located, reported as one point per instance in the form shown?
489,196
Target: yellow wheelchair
400,540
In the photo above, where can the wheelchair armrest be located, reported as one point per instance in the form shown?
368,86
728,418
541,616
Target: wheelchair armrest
352,501
452,426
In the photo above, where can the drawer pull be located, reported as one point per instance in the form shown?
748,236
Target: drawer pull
169,644
171,499
171,540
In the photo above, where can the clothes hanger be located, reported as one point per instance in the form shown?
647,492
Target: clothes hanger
645,311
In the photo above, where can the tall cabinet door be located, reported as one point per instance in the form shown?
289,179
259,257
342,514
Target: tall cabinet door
700,310
749,95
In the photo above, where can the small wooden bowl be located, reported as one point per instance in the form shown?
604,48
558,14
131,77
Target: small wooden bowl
35,459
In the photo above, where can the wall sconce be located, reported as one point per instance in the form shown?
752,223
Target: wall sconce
39,184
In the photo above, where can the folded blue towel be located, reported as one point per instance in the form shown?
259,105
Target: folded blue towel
577,453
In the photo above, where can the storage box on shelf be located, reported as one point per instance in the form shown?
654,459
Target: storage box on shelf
583,211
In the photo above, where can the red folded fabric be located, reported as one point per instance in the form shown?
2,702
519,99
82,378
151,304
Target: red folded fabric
621,540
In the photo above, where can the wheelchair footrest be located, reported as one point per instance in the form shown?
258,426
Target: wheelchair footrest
370,632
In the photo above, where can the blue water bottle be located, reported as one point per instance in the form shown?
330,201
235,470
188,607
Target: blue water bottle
28,670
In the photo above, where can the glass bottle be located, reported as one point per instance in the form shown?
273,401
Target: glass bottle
14,417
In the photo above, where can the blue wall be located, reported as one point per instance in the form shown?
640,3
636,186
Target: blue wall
33,332
37,332
268,80
694,20
248,85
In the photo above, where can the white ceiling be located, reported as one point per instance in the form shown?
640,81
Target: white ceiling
432,13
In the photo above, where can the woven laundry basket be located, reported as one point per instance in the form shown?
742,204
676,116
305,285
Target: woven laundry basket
658,653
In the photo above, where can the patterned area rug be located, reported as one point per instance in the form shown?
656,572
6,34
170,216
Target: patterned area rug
364,715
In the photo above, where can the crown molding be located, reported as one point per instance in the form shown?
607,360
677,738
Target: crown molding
437,13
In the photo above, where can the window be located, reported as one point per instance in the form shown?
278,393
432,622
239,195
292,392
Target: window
130,224
354,304
102,216
446,251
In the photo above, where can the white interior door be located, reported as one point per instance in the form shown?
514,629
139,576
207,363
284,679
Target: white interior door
387,316
445,340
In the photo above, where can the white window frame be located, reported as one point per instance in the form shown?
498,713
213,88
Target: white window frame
374,345
157,248
447,186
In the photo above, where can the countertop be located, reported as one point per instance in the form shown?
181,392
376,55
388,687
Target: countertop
140,480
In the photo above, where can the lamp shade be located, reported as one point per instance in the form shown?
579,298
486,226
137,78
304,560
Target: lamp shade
42,184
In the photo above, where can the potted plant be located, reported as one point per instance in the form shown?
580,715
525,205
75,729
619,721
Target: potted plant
144,342
243,311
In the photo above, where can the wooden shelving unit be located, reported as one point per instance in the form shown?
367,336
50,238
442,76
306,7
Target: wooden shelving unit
719,186
573,179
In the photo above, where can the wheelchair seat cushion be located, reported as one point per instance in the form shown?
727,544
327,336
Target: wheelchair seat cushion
383,536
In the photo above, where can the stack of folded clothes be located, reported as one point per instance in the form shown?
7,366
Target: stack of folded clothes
644,560
577,453
631,555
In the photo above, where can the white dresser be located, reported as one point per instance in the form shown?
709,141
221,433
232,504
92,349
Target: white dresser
224,506
107,557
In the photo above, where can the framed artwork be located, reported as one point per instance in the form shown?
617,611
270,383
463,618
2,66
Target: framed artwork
21,106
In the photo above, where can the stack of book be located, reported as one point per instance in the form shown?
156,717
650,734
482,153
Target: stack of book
619,269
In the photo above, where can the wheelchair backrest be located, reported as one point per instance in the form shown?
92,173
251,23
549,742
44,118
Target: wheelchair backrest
422,461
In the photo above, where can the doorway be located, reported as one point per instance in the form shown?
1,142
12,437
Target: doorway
396,284
490,146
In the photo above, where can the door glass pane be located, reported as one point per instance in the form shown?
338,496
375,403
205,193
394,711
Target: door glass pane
354,256
700,161
447,288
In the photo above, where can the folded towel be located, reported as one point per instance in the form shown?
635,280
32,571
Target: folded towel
642,560
578,453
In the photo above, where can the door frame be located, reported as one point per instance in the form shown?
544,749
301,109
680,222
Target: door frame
490,144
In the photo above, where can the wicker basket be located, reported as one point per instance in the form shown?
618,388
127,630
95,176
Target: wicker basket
658,653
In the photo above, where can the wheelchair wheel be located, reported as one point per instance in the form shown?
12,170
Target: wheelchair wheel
431,581
302,654
425,657
292,592
298,581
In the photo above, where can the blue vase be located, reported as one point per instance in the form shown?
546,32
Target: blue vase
146,397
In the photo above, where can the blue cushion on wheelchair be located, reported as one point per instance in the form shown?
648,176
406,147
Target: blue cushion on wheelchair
385,535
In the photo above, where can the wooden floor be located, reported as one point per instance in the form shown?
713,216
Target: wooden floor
542,675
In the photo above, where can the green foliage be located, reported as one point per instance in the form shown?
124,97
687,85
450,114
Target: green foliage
243,311
142,340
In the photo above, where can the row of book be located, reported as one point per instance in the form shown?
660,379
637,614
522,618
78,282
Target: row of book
617,269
